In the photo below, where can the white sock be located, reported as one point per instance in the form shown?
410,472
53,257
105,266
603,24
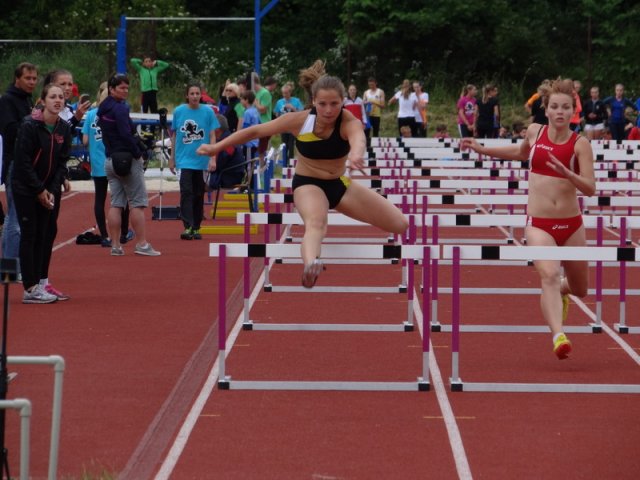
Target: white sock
555,337
44,282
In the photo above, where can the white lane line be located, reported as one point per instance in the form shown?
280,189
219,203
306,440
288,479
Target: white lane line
181,439
455,439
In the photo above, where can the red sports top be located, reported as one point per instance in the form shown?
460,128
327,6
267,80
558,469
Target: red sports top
539,154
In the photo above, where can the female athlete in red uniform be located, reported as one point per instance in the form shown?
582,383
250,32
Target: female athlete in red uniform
561,164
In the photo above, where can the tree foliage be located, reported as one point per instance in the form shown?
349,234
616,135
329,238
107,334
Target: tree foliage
441,42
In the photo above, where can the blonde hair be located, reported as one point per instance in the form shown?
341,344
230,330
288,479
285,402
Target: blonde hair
103,92
466,89
486,90
406,88
315,78
558,86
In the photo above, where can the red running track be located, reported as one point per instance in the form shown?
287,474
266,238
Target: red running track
139,339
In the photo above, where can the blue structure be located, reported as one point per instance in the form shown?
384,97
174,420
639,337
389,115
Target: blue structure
121,36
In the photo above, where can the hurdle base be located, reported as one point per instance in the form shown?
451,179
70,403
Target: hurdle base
267,288
289,240
436,327
224,384
621,328
423,385
455,384
408,326
595,328
278,260
395,261
247,325
402,289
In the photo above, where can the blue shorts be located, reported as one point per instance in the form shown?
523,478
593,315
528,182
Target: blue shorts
333,189
131,188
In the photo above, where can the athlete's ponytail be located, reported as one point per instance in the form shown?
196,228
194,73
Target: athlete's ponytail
315,78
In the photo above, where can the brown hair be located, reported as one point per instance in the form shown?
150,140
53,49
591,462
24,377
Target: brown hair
315,78
20,69
559,85
46,88
249,96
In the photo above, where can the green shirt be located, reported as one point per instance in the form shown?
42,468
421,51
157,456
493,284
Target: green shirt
149,76
264,97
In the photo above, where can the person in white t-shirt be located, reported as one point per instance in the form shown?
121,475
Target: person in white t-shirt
407,102
422,100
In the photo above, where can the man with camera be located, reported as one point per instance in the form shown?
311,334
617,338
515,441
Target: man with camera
124,166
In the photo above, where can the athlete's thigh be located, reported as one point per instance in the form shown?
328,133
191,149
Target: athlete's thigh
365,205
310,201
577,272
537,237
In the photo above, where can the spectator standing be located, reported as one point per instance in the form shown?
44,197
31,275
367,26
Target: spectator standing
355,105
250,117
264,104
595,114
194,124
467,111
15,105
39,168
148,70
422,101
616,106
288,104
92,137
64,79
374,102
406,107
576,119
233,108
488,112
118,138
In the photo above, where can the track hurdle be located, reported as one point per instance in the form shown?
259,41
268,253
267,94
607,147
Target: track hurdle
58,364
331,251
336,219
24,407
410,252
458,253
624,224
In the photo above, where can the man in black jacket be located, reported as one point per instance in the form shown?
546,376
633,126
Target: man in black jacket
15,105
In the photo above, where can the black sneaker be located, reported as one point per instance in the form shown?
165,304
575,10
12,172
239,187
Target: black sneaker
187,234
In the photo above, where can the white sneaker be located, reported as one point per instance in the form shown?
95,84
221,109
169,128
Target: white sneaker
38,295
146,250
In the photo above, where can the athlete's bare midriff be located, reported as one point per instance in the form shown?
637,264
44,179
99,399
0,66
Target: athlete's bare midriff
551,197
324,169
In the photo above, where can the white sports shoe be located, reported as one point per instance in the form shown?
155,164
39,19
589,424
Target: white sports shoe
38,295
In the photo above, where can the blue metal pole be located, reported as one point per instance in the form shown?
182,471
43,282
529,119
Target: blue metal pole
259,13
256,33
121,46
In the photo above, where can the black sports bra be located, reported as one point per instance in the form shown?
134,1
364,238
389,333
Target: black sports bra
316,148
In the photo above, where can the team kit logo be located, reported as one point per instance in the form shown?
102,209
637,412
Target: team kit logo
191,132
97,130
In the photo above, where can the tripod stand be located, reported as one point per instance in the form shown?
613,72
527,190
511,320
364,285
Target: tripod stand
8,273
164,156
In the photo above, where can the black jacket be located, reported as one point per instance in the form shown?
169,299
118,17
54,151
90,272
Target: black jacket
40,157
15,105
117,128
